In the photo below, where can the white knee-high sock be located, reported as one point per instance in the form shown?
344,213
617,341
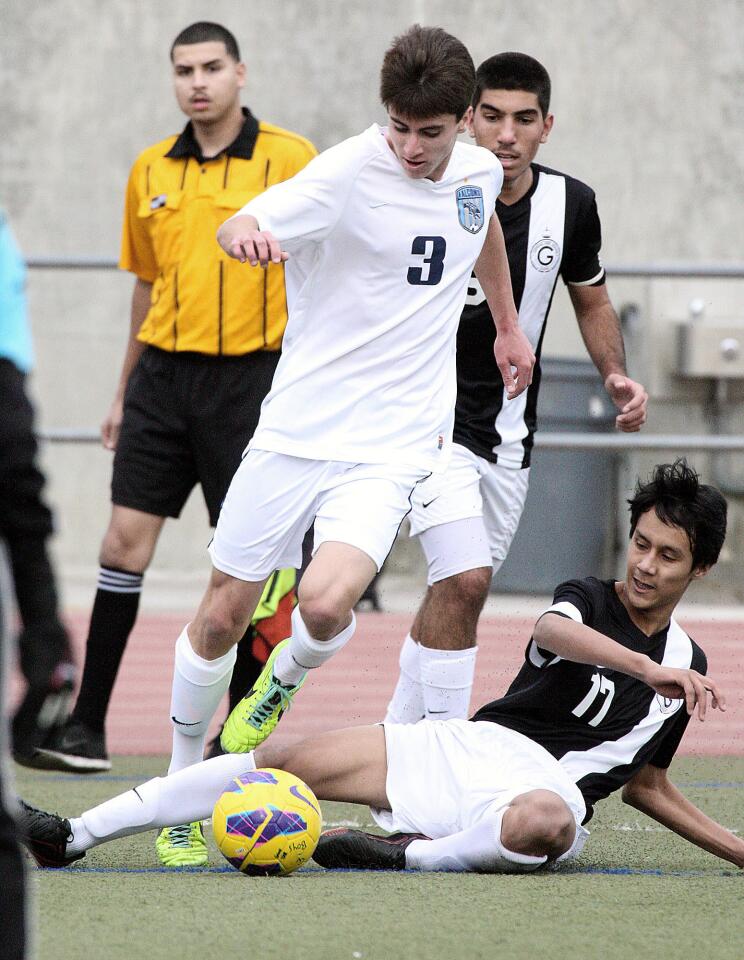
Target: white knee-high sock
446,682
198,687
479,848
304,652
407,703
181,797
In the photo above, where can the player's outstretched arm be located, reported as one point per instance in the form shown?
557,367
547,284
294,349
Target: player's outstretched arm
514,354
600,329
242,238
582,644
652,792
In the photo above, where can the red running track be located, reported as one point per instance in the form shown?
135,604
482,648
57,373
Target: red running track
355,686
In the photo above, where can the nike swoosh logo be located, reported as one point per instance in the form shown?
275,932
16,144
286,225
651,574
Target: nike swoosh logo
378,203
182,723
438,711
425,505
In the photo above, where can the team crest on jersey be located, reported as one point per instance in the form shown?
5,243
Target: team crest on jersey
545,255
470,209
667,706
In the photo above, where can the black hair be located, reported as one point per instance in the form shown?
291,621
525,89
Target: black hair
203,32
675,493
513,71
425,73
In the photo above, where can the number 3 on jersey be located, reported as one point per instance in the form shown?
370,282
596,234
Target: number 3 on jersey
432,249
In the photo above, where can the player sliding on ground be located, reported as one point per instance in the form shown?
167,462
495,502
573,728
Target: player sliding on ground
511,789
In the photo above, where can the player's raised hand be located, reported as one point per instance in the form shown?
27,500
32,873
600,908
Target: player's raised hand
243,240
631,400
688,685
515,359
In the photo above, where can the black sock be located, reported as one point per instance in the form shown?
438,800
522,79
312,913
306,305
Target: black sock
111,622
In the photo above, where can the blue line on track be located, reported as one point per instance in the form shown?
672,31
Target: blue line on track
89,777
565,871
712,784
117,778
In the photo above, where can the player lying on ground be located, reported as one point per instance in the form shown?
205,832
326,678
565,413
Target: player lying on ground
511,789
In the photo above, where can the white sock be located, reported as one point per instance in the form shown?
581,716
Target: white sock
304,652
447,682
198,687
182,797
478,848
407,703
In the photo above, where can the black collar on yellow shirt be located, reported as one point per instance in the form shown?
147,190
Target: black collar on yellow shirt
242,146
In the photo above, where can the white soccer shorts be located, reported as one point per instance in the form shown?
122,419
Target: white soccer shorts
467,516
444,776
274,498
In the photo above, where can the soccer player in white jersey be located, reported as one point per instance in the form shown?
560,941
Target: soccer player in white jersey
380,234
511,789
466,519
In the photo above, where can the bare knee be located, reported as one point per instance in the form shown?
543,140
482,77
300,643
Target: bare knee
277,756
129,541
539,824
469,588
324,616
217,627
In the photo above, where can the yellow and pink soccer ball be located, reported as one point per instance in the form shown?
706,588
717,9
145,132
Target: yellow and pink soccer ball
267,822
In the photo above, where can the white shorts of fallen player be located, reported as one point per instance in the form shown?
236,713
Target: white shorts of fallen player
444,776
467,516
274,498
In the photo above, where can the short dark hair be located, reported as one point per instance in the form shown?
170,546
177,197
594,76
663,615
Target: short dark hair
203,32
513,71
674,491
427,72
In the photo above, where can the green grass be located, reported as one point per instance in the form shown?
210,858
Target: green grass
666,898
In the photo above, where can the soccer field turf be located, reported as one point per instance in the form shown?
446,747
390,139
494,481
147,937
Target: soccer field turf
637,891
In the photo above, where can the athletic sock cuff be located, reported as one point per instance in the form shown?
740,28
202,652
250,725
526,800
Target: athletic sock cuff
409,660
119,581
196,669
306,651
447,669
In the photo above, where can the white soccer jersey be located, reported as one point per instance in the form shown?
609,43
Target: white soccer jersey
377,277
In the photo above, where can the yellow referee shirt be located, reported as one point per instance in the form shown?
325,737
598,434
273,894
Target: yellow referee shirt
202,300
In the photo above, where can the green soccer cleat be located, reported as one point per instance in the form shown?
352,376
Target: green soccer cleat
182,846
255,717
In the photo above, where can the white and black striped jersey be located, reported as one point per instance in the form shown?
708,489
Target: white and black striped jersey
602,725
554,229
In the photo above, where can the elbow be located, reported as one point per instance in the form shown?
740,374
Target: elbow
637,796
542,632
629,795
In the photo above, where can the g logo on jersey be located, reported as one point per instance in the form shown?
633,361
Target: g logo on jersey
545,255
470,210
667,706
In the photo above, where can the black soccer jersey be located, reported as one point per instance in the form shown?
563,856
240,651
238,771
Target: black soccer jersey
601,725
554,229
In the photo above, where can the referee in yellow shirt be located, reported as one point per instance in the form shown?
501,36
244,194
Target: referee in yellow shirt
203,345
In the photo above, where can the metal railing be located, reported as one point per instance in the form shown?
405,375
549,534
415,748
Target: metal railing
547,441
554,441
708,271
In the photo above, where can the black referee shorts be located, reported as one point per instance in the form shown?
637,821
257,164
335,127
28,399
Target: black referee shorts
187,419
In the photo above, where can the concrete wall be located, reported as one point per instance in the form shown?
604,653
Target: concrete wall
648,110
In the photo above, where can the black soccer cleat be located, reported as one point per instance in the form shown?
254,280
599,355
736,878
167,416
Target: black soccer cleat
355,850
46,835
73,748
